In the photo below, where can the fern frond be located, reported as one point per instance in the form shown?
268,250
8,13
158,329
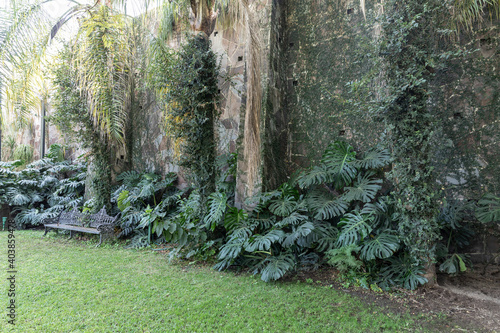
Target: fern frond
343,259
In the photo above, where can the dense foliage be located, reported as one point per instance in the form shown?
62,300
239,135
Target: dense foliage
379,217
73,117
336,208
187,88
42,189
411,59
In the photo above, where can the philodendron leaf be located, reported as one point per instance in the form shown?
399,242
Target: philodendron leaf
381,246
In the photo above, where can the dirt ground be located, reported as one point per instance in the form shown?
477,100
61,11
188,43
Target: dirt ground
469,302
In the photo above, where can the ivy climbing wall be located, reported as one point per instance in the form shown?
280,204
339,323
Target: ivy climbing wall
319,58
313,60
152,149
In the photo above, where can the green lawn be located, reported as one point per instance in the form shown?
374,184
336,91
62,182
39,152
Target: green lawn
72,286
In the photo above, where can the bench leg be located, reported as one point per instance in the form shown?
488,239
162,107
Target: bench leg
70,234
46,230
100,240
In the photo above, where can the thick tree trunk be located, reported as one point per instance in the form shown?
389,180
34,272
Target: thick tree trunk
430,274
204,16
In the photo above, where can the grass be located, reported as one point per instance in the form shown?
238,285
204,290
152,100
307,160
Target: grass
72,286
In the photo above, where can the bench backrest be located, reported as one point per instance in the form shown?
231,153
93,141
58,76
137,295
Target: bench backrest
73,217
101,217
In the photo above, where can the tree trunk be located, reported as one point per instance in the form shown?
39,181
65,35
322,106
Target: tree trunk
430,274
204,16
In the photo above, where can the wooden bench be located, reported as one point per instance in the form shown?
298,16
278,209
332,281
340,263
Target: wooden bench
99,224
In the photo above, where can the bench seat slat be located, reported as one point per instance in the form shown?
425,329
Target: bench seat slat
73,228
